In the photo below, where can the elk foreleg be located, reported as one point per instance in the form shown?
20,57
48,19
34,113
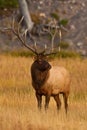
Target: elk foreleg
39,100
47,99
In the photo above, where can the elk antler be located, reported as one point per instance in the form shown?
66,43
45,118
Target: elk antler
21,37
57,29
52,32
52,36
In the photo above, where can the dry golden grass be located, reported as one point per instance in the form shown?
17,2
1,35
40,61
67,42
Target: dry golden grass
18,106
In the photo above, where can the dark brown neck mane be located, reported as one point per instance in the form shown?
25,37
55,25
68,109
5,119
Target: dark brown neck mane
40,73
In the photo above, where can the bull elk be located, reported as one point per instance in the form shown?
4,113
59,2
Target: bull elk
47,80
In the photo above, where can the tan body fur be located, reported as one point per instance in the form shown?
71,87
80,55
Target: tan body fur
57,82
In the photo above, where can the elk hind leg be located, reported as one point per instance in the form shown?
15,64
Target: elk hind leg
65,96
58,102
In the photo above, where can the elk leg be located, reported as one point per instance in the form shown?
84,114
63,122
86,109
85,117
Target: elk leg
39,100
65,96
58,102
47,99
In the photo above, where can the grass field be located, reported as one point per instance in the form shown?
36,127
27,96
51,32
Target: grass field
18,106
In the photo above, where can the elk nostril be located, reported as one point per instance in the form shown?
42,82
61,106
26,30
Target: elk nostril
40,61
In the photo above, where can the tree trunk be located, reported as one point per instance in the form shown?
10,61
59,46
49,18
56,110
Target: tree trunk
25,12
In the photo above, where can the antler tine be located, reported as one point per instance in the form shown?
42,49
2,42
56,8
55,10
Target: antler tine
19,23
25,34
45,46
60,35
21,20
53,37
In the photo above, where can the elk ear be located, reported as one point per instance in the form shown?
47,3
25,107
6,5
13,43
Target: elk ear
34,58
